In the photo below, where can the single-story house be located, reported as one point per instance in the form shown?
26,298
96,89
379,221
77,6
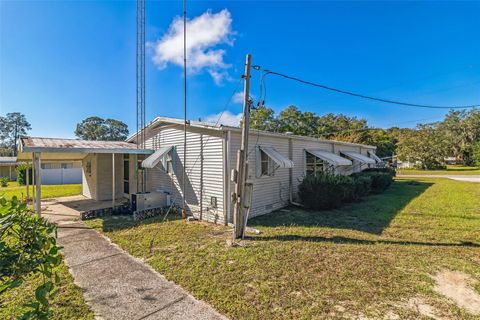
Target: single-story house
61,172
7,168
277,164
65,172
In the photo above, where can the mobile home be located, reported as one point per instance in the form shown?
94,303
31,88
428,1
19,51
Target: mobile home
277,163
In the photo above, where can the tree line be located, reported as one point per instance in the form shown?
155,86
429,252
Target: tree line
15,124
457,135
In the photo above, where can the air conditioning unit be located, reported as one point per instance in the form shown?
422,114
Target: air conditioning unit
149,200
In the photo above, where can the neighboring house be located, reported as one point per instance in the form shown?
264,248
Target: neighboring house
69,172
277,165
66,172
450,160
7,168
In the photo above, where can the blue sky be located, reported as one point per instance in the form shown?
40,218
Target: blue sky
63,61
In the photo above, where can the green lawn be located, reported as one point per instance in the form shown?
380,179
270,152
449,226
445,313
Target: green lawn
453,169
68,304
48,191
365,260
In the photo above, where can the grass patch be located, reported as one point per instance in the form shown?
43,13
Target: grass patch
364,260
67,304
451,169
48,191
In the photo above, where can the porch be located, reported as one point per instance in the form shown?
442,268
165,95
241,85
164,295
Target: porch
109,169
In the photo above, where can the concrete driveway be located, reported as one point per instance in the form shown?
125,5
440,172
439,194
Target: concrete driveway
468,178
117,285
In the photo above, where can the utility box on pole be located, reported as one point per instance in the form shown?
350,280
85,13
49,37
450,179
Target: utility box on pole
242,158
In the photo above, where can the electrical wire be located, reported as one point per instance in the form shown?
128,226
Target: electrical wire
358,95
218,120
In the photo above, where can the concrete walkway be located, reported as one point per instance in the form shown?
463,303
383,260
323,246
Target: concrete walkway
117,285
468,178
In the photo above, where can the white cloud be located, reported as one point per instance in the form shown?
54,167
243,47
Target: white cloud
228,118
204,34
238,98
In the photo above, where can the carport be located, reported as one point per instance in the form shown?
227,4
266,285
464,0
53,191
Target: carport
35,149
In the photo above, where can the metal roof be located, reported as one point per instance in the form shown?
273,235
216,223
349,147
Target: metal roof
57,145
8,161
158,121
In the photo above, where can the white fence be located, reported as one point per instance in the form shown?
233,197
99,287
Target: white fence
61,176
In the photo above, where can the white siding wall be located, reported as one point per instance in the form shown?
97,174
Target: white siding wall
205,176
210,176
98,184
272,193
89,176
269,192
298,172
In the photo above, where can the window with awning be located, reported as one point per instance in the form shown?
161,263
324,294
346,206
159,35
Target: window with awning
374,156
358,157
329,157
163,156
268,159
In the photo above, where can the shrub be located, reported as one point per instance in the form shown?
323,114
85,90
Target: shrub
388,170
22,173
325,190
4,182
476,154
362,187
27,247
380,180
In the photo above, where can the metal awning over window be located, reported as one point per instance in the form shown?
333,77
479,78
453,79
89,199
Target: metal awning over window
332,158
359,157
156,157
374,157
279,159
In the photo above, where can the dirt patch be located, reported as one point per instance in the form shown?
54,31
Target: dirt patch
458,286
419,305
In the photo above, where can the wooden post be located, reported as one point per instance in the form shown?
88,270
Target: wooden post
113,180
38,183
242,157
27,182
33,180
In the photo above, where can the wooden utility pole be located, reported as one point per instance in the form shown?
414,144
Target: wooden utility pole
242,158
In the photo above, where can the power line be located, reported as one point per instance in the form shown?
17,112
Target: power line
358,95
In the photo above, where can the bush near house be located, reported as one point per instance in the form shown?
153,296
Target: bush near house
4,182
22,174
379,180
323,190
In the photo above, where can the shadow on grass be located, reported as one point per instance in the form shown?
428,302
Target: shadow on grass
345,240
121,222
372,215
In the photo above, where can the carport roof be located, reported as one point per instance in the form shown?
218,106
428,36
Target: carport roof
8,161
75,147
